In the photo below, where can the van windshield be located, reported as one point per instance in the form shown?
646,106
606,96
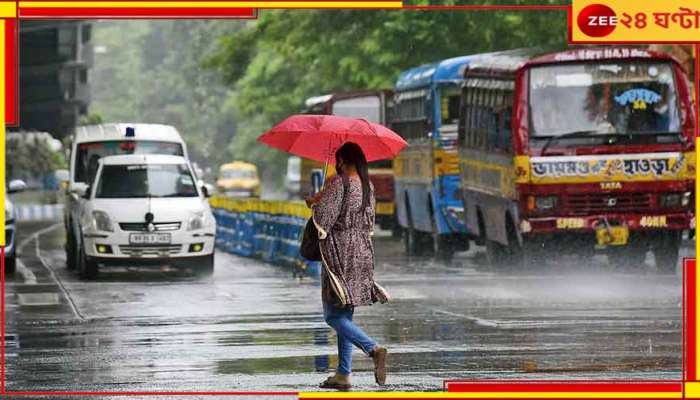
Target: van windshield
145,180
88,154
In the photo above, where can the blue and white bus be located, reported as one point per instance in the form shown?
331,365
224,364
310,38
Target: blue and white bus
428,196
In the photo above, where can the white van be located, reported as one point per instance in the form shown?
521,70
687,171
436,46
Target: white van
90,144
145,210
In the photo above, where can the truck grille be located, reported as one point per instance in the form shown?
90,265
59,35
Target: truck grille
150,250
141,226
590,203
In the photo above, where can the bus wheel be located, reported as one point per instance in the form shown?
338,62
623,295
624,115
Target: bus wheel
495,254
411,241
665,250
443,247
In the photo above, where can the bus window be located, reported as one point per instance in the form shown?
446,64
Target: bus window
492,121
449,106
410,117
367,107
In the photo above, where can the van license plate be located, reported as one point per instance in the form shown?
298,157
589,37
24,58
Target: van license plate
149,238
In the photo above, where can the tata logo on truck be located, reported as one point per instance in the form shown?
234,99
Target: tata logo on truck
610,185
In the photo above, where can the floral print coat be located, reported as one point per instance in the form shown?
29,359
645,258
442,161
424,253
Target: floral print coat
346,244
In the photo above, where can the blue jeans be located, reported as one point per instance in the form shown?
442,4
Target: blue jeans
340,319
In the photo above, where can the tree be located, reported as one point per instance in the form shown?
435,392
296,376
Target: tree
287,56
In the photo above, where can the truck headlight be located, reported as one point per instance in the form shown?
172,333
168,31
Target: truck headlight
545,202
671,200
101,221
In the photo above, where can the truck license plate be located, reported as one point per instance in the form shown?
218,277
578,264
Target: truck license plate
614,236
149,238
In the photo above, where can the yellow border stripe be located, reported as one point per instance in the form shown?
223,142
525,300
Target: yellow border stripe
495,395
8,9
211,4
692,389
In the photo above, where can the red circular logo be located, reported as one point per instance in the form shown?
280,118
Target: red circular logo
597,20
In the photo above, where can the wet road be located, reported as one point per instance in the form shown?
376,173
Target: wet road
252,326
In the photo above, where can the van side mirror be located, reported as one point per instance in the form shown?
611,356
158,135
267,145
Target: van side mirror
81,189
207,189
16,185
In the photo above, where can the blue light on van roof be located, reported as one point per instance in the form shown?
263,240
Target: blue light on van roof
130,131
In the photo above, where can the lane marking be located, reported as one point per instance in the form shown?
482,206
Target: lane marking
27,274
37,236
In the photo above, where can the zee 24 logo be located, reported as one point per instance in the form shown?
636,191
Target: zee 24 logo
599,20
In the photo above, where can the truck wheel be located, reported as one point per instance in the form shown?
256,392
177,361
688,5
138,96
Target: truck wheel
70,252
11,264
631,255
88,266
666,250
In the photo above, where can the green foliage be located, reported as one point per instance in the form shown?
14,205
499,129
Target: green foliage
286,56
150,71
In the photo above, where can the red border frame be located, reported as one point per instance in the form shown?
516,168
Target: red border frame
689,268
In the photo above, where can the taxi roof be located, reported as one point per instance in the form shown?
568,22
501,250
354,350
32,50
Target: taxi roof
238,165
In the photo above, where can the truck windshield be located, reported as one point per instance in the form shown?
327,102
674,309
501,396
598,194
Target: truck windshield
88,154
602,99
145,180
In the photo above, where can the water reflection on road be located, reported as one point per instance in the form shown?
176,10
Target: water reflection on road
252,326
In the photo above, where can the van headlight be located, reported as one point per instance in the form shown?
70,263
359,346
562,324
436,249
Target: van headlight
8,216
101,221
199,220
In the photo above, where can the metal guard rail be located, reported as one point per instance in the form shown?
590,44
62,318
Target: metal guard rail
266,229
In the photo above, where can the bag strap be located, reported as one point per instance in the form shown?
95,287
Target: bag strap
344,207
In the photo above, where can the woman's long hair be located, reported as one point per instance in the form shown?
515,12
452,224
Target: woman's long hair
351,153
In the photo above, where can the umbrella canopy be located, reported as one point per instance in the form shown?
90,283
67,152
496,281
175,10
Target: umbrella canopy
317,137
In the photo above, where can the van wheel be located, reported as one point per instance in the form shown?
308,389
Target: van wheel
87,266
70,252
207,267
11,264
666,249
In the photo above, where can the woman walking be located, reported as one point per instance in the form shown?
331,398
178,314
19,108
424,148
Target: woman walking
344,216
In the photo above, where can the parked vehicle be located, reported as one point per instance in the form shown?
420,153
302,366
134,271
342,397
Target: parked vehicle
292,179
374,106
428,202
238,179
578,150
14,186
90,144
145,210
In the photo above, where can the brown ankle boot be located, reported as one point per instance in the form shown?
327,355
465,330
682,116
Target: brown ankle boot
379,358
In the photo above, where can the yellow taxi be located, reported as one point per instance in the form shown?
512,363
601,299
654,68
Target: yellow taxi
238,179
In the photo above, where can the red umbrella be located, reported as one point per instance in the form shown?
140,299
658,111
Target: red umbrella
317,137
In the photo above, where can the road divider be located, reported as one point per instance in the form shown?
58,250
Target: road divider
266,229
39,212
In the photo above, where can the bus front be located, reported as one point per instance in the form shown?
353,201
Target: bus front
606,157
